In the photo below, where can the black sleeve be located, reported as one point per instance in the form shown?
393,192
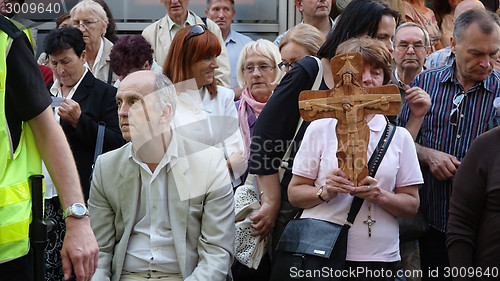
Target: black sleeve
25,88
277,122
26,95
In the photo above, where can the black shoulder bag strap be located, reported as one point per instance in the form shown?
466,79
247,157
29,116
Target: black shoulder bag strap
110,79
373,165
99,141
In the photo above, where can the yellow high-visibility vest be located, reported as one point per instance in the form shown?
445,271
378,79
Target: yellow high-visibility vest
15,169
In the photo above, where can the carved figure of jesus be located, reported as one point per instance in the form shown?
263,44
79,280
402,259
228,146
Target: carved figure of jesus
349,103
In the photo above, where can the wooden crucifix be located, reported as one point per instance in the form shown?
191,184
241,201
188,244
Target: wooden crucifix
349,102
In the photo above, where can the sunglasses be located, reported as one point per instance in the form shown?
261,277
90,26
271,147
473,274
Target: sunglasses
195,30
457,100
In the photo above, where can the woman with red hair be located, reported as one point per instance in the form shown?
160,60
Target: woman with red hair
205,111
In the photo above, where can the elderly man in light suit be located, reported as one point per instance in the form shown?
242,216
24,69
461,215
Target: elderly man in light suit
161,206
160,34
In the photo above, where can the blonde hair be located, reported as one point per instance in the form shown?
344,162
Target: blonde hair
261,47
305,35
90,7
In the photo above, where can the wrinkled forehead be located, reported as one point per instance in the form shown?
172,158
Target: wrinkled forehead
409,33
137,89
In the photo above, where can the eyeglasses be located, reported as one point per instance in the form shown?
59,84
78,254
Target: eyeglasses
285,67
195,30
86,24
405,47
457,100
263,68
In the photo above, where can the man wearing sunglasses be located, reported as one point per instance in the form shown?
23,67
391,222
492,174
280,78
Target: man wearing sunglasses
160,35
462,97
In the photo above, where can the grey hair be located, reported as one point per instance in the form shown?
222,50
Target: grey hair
486,20
165,93
91,7
263,48
427,40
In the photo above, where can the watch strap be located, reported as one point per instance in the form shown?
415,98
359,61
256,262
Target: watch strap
68,212
320,190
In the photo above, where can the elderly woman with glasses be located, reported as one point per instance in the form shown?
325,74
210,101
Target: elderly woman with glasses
205,111
258,75
91,19
301,41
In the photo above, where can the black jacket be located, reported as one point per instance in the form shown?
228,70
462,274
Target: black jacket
97,102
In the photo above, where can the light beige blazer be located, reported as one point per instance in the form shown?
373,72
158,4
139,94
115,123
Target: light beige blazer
101,70
202,225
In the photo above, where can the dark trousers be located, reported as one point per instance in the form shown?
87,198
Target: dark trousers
18,269
243,273
433,255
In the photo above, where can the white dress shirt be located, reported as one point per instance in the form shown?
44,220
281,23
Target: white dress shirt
151,245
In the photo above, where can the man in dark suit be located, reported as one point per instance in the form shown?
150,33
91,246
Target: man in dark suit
86,101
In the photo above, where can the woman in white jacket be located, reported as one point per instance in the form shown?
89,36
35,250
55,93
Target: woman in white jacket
205,112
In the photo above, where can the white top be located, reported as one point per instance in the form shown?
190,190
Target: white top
99,55
210,121
399,167
151,245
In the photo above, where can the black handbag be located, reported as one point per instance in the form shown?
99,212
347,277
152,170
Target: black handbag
99,143
312,249
412,228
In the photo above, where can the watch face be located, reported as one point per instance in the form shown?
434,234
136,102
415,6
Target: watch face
79,209
320,190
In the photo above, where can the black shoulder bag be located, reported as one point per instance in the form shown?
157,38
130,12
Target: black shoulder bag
101,127
309,245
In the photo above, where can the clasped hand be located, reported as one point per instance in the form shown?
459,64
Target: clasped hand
338,182
70,111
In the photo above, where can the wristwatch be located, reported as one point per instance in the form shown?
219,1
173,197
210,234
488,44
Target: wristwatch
76,210
320,190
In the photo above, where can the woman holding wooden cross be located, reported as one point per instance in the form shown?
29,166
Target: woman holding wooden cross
324,191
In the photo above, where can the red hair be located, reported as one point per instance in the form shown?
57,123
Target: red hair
184,53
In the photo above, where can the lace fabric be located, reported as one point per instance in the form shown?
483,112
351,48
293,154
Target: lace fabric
248,250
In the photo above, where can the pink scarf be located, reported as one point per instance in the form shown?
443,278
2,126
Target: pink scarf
247,98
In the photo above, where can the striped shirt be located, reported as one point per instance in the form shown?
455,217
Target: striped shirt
475,111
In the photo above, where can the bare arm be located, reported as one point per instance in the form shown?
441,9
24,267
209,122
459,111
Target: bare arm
443,166
80,246
403,203
303,194
270,190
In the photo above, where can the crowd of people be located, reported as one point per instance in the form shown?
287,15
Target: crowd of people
155,132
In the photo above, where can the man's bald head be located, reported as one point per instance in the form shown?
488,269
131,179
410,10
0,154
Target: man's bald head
466,5
142,80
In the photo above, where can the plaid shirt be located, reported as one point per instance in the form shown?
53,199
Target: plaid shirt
475,110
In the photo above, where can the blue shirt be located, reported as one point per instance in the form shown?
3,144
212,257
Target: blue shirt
234,44
440,58
475,111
